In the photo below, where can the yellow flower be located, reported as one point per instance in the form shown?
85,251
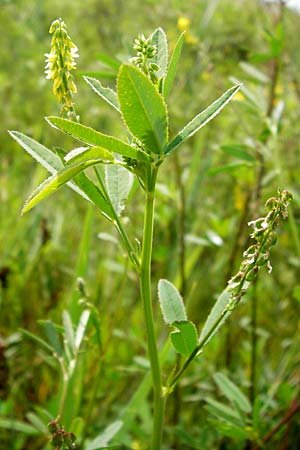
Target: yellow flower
183,23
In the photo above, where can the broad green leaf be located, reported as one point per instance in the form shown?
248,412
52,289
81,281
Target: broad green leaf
159,39
93,137
85,154
52,336
185,339
232,392
51,184
109,61
118,181
17,425
171,303
105,93
172,68
227,168
217,313
202,119
239,151
51,162
105,437
143,108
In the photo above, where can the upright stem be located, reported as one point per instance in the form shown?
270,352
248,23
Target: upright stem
158,411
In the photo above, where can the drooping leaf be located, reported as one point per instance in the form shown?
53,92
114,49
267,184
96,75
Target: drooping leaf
209,329
143,108
105,436
232,392
105,93
85,154
93,137
172,68
201,119
159,39
253,72
69,330
184,339
118,181
51,184
51,162
171,302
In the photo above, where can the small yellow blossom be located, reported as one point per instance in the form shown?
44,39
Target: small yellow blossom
183,23
239,97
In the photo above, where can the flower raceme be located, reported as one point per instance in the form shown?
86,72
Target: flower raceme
59,64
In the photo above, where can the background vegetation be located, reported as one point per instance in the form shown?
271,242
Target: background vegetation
207,194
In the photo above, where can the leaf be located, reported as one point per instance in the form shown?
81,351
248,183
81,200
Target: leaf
159,39
239,151
51,184
52,336
143,108
232,392
202,119
233,431
93,137
105,93
109,61
105,437
171,303
17,425
38,340
185,339
83,321
223,411
253,72
172,68
53,164
209,330
37,422
68,330
84,154
118,182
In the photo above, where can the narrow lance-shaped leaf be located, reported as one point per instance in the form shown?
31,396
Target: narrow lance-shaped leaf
171,302
232,392
143,108
159,39
201,119
51,162
119,182
106,93
172,69
84,154
93,137
51,184
216,318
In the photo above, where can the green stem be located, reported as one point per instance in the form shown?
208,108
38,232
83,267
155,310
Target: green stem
145,283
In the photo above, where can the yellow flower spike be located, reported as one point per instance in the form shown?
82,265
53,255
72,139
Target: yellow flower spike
60,61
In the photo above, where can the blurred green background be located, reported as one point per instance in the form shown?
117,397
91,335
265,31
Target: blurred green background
207,193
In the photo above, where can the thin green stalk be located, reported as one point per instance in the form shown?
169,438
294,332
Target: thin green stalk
145,283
